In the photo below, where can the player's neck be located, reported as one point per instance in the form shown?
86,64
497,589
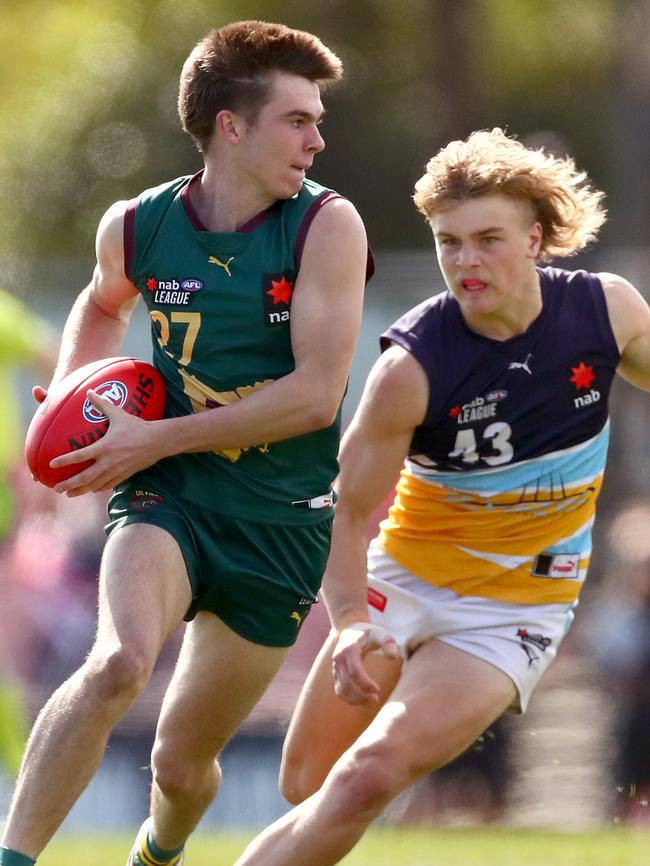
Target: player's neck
224,202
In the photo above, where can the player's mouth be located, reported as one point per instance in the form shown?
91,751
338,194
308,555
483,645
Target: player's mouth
473,285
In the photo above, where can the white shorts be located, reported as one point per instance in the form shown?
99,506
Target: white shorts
518,639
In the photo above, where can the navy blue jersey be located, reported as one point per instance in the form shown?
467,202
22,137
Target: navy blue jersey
550,384
497,496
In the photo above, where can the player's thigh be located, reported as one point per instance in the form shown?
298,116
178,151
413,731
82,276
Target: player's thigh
445,700
324,726
218,679
144,588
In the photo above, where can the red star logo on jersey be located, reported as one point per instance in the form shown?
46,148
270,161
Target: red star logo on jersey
281,291
583,375
152,284
455,412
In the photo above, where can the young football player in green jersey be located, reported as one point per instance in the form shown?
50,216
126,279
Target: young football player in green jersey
253,277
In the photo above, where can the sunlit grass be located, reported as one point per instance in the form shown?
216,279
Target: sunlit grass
399,847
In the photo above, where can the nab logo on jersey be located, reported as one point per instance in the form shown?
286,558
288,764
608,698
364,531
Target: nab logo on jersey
177,292
277,290
582,377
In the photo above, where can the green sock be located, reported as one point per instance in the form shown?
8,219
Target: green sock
9,857
159,855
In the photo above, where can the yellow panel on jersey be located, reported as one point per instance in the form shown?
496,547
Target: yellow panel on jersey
493,546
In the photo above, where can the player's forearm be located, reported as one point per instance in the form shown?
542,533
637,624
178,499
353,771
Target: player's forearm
89,333
288,407
344,584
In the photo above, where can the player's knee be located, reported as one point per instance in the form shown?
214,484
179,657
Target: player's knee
296,783
179,778
119,674
367,781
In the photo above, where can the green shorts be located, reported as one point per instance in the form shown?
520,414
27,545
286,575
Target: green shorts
260,579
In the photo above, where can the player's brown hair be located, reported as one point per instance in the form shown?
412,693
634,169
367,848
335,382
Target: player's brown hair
563,201
231,68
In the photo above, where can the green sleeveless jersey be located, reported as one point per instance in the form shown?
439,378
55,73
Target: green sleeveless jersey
220,307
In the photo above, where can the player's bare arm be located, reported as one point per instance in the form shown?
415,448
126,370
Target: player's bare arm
96,324
393,404
326,312
629,315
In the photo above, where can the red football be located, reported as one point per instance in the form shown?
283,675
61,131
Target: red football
66,420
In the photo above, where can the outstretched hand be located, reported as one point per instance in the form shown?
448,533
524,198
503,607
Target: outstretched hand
127,447
351,680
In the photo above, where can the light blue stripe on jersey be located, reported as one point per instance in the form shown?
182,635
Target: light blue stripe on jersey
578,543
578,465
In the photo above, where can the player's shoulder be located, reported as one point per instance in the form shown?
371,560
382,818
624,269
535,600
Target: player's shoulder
110,231
621,296
628,311
616,285
397,369
331,208
167,190
397,390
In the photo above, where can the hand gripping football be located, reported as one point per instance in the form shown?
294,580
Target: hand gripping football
66,420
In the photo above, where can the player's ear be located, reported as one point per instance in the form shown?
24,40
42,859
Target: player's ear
535,238
229,126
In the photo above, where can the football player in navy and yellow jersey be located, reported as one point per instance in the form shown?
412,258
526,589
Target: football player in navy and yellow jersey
490,403
253,277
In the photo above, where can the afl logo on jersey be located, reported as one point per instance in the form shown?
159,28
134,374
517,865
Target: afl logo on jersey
495,396
191,285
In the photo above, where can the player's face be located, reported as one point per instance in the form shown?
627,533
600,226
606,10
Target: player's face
487,248
279,148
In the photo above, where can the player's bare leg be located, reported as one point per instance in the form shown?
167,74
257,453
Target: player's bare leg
143,594
219,678
308,755
444,701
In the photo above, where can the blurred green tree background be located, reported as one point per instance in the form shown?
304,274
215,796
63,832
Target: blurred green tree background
88,97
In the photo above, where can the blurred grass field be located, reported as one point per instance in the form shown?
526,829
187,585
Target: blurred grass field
399,847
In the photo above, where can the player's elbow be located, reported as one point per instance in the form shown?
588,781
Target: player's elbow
323,414
318,408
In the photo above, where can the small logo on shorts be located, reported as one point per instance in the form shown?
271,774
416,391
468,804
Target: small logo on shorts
377,599
528,641
143,499
297,617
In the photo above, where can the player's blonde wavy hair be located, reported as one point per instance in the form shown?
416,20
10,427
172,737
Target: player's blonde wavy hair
563,200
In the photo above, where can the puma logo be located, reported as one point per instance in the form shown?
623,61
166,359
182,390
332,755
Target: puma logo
522,365
213,260
295,615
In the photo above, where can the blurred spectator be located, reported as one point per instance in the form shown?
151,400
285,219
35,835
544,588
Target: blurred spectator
25,338
619,639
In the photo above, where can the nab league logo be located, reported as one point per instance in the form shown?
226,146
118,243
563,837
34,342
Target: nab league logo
479,409
277,290
179,292
114,391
